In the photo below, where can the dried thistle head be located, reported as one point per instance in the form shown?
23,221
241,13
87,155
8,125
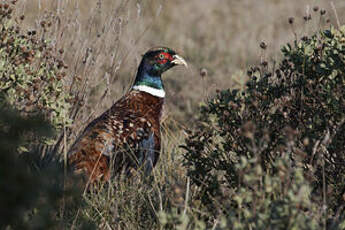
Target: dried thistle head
316,8
203,72
263,45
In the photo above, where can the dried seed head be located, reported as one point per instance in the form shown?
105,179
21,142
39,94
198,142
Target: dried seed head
264,63
203,72
263,45
316,8
291,20
43,24
256,69
22,17
304,38
307,17
323,12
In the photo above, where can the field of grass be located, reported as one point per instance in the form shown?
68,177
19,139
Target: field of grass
92,51
221,36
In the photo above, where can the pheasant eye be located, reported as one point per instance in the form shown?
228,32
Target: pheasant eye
161,56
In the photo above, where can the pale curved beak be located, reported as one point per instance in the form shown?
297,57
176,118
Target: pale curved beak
178,60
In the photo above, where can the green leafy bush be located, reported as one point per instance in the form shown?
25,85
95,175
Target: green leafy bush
33,104
272,156
31,198
31,71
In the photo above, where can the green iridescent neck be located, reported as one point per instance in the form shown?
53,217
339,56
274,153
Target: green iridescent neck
148,82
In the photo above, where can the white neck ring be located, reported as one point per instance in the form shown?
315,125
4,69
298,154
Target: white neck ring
150,90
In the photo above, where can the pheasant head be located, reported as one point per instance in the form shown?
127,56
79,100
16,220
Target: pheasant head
153,64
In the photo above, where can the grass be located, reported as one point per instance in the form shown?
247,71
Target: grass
101,43
104,41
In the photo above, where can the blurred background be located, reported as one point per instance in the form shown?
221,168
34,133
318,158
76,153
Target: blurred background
105,40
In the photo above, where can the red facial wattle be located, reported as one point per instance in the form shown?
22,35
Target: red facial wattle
163,58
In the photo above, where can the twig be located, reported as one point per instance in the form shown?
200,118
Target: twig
336,14
324,143
187,196
90,177
316,146
153,207
64,164
215,224
75,220
102,217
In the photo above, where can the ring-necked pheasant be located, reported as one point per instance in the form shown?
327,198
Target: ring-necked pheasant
128,134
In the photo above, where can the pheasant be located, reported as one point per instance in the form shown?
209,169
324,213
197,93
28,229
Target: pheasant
127,135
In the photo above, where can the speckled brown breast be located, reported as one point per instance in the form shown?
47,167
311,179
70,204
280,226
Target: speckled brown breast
121,138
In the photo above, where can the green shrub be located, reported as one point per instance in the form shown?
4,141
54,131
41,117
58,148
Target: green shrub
29,198
33,104
272,156
31,71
